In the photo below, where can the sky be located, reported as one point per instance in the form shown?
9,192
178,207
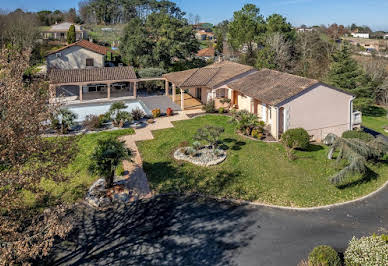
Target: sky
373,13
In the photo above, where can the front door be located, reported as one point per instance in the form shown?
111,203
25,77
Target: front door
235,97
198,93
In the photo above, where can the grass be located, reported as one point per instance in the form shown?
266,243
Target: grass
376,123
78,179
254,170
96,32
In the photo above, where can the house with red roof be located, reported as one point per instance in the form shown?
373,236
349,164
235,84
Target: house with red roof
78,55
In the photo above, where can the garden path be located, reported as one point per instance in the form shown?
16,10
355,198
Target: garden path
134,172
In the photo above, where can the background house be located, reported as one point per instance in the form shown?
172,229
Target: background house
59,32
360,35
78,55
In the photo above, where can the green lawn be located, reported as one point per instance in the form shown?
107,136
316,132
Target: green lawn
253,171
77,179
376,123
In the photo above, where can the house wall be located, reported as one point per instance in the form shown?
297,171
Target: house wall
74,57
320,111
244,102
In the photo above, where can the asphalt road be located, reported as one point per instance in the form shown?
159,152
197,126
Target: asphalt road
173,230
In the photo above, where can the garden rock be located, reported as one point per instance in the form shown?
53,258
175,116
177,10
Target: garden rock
203,157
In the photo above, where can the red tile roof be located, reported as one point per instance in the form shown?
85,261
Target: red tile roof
68,76
207,52
87,45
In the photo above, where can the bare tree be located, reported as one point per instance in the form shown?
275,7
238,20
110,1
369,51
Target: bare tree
282,51
197,19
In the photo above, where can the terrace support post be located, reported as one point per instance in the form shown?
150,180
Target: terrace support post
182,100
135,89
173,92
80,93
109,87
167,87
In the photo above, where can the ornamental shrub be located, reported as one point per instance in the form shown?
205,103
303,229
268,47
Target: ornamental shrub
156,112
209,107
324,255
255,133
221,110
137,114
197,145
296,138
92,122
371,250
355,134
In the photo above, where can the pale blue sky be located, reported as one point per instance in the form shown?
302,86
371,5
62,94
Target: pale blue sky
310,12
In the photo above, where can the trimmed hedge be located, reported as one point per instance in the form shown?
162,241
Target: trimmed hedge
371,250
354,134
324,255
296,138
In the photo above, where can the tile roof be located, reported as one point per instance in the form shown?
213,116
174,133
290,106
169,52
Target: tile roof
210,76
58,76
64,27
207,52
87,45
270,86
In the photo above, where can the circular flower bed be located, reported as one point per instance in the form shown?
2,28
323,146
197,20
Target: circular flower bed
203,157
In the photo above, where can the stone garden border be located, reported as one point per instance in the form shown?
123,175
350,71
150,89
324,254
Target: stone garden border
178,155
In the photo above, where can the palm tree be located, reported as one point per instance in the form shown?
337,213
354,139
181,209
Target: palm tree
357,152
247,121
106,157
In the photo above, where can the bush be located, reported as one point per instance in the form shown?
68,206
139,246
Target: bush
190,151
296,138
221,110
372,250
324,255
122,117
209,107
256,134
93,122
354,134
137,114
197,145
169,112
63,120
156,112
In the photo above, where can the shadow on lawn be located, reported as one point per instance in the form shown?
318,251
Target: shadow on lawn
368,176
235,144
164,230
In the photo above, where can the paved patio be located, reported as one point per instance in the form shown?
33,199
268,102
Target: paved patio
189,101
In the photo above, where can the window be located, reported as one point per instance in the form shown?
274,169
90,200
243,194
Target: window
89,62
58,55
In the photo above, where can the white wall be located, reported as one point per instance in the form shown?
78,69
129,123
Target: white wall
320,111
74,57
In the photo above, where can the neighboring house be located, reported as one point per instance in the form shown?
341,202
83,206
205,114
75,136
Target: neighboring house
204,35
207,53
281,100
386,36
305,29
59,32
78,55
360,35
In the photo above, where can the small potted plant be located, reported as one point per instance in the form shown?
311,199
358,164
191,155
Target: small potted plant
169,111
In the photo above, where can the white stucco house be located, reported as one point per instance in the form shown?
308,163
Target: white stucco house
59,32
283,101
78,55
360,35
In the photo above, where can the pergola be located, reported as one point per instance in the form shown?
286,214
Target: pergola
107,76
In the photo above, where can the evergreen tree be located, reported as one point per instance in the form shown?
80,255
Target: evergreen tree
71,37
344,71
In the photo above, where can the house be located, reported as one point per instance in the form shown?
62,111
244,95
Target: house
59,32
360,35
203,35
281,100
207,53
81,54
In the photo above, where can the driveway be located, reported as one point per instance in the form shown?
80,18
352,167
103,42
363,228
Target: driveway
179,230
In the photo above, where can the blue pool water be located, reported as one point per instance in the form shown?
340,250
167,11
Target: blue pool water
83,110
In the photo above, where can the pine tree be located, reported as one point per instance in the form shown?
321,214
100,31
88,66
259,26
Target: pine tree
71,37
344,71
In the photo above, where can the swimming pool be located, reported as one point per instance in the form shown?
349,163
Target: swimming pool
83,110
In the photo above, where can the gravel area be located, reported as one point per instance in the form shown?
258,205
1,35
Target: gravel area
203,157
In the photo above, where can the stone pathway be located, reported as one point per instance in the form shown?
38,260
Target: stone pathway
135,175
